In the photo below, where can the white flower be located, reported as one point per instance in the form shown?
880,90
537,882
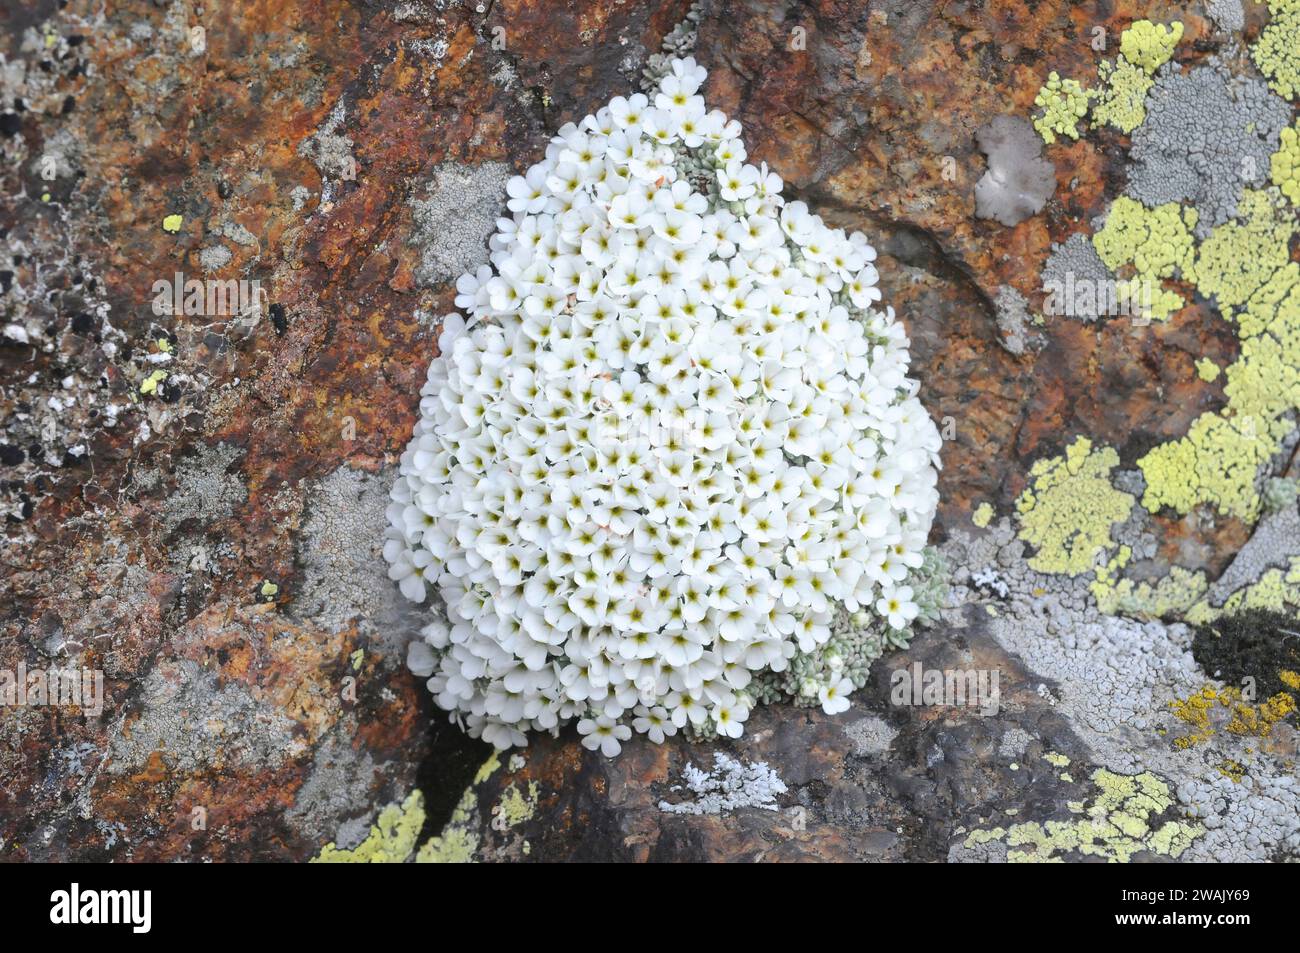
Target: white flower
603,734
897,606
666,443
835,697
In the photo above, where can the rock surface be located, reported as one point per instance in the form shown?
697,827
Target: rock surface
210,540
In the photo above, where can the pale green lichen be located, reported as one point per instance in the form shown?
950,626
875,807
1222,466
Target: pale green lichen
1063,102
1149,45
1284,164
1240,256
395,833
1155,244
1120,100
1171,596
1207,370
1280,493
459,838
1069,507
390,841
1278,590
1277,52
1219,461
517,804
1121,822
982,516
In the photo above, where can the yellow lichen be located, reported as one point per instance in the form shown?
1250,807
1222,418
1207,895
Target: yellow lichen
1207,370
1149,45
1063,102
1069,507
172,223
517,805
1120,100
1277,51
1154,244
150,384
1218,462
1277,590
459,838
1239,257
1172,595
1211,709
390,841
1285,164
1120,823
983,515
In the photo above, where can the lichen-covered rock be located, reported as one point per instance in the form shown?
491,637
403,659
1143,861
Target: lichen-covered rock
193,471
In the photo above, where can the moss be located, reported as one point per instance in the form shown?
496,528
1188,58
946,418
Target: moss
1260,644
1149,45
1277,51
1123,820
390,841
1063,102
1069,507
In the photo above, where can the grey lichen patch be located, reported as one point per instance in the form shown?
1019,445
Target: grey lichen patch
239,234
871,735
454,216
731,786
195,722
344,574
1111,679
1014,319
1075,265
1273,544
206,492
327,149
335,802
214,257
1227,15
1208,134
1018,181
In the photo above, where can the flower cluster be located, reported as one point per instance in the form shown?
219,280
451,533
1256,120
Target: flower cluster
671,442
